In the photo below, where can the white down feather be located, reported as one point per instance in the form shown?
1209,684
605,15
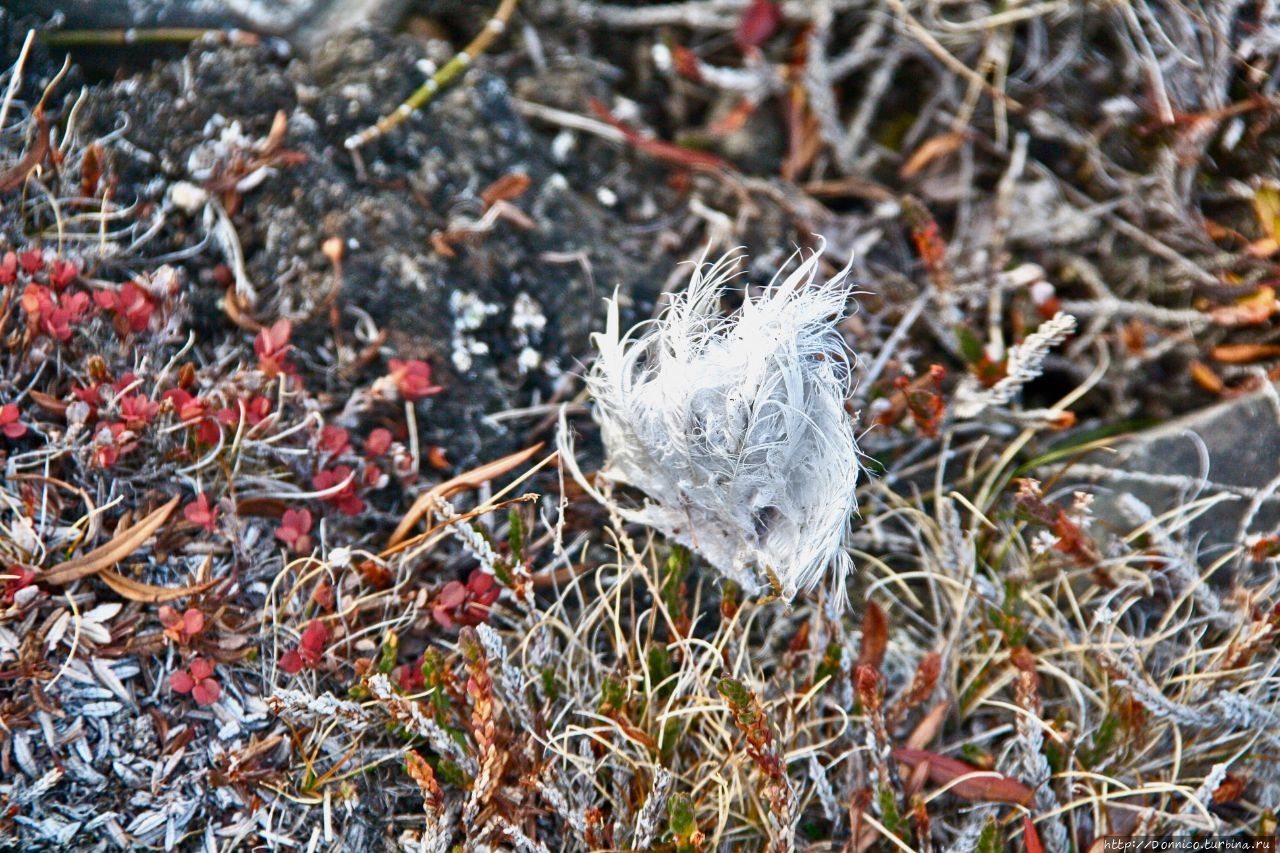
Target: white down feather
734,426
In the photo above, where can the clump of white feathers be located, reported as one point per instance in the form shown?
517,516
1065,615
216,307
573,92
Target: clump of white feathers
734,425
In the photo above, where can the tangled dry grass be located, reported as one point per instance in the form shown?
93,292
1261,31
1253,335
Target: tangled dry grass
239,611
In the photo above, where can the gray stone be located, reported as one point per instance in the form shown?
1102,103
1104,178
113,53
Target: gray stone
1227,456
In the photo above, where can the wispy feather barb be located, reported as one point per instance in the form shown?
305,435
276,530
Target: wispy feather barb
734,425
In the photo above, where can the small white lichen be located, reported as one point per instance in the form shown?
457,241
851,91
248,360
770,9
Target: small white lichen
735,427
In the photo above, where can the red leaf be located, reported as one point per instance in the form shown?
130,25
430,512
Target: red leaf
201,668
291,662
335,440
378,442
192,622
453,595
413,379
759,21
1030,837
181,681
875,637
315,636
972,784
200,513
9,422
206,692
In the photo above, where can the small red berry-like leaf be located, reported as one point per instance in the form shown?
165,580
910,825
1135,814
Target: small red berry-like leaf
257,410
168,616
137,411
9,423
181,681
454,594
192,622
272,348
206,691
413,379
274,340
31,261
295,528
62,273
334,440
291,662
9,268
378,442
135,306
315,637
200,513
759,21
201,668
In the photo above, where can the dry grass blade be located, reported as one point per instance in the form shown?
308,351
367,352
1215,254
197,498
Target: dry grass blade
472,479
108,555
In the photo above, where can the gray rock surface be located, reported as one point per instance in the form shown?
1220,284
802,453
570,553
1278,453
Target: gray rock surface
1224,460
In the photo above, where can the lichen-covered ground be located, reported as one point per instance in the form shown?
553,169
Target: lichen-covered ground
289,563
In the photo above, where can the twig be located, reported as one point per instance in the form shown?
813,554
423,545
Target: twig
493,28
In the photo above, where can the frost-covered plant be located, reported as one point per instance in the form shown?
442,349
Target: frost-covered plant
734,425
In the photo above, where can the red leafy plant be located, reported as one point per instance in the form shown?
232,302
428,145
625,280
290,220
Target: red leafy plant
272,348
10,426
132,305
181,627
18,577
200,513
295,530
310,649
197,679
339,485
466,604
412,379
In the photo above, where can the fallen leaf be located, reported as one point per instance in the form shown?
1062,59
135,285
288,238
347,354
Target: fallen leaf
48,402
1030,837
931,149
875,637
1252,310
928,727
149,593
1266,207
965,780
108,555
1206,378
510,186
1244,353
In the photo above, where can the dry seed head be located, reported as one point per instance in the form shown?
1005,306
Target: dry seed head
734,425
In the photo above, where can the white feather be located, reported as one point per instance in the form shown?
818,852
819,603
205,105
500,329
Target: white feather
735,427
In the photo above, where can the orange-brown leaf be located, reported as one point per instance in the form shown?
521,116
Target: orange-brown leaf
930,150
875,637
1206,378
1252,310
1244,353
49,403
509,186
928,727
91,170
106,556
965,780
149,593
